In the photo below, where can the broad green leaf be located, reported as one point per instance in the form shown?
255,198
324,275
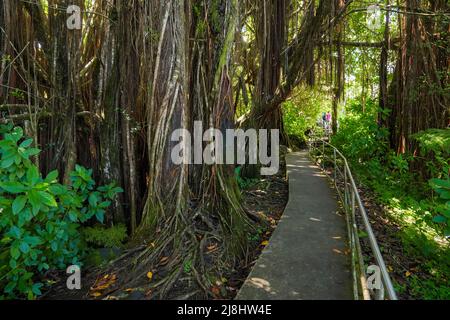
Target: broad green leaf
34,199
32,152
73,216
440,219
15,253
37,289
440,183
32,241
15,135
93,200
13,187
24,247
52,176
8,162
445,194
18,204
26,143
13,263
15,232
33,175
100,215
57,189
47,199
54,246
10,286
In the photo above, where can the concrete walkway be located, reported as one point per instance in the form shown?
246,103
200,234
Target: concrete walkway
306,258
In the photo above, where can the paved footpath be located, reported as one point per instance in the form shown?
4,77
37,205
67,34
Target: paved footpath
306,258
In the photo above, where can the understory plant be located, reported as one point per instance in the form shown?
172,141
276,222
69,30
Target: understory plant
442,188
39,217
405,193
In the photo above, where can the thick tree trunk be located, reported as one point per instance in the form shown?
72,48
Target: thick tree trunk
383,96
418,99
270,36
189,208
339,80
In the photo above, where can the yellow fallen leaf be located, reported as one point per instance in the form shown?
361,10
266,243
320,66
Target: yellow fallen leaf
164,261
408,274
212,248
104,283
96,294
265,243
150,275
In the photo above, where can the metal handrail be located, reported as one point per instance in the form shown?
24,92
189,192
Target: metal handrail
352,204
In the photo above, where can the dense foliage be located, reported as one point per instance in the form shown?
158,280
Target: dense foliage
302,112
407,193
109,93
39,217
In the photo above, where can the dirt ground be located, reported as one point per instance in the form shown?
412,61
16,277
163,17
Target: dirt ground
264,198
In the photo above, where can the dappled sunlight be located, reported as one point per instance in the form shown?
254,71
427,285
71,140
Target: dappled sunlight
156,150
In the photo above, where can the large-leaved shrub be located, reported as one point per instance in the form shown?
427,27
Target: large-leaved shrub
39,217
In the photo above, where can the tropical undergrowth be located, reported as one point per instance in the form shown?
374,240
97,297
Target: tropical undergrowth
302,111
40,219
416,199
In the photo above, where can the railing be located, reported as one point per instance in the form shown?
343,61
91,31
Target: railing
324,152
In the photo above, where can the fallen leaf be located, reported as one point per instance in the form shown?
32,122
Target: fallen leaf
96,294
104,283
212,247
408,274
150,275
215,291
265,243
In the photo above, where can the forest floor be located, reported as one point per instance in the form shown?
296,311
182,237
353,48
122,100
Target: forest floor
409,271
265,198
413,273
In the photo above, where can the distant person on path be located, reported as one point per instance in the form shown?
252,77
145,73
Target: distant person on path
327,123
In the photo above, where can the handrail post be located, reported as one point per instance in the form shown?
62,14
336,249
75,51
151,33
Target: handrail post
335,166
323,154
345,187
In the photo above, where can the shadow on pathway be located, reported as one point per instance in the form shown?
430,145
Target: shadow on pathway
306,258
